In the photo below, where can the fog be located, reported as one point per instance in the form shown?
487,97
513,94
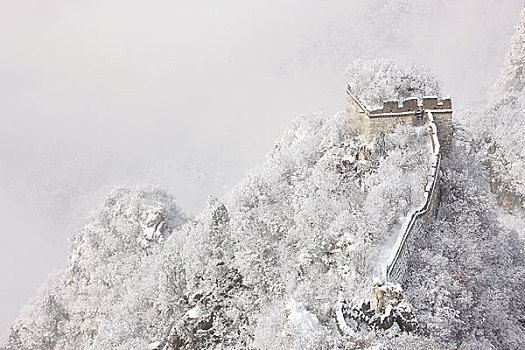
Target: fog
188,95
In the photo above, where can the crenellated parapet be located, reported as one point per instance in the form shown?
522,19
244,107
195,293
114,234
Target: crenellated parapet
413,104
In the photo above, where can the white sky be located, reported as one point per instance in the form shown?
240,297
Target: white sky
188,95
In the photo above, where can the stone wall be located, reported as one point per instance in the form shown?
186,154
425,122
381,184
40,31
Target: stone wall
359,120
443,121
356,117
387,124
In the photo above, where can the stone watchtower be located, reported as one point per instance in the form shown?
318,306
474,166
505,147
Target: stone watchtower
370,122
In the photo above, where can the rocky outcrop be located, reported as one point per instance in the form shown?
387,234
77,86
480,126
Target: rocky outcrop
207,321
386,308
504,184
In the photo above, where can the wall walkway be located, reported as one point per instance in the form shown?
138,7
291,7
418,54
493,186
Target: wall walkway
396,264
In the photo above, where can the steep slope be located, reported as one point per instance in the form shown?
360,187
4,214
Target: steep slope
270,259
512,79
497,131
123,236
467,272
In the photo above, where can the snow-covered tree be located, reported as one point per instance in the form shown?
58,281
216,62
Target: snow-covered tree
512,79
380,79
467,274
496,132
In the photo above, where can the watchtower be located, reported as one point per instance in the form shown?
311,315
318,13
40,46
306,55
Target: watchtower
370,122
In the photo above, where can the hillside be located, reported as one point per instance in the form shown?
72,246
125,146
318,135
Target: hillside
268,265
497,132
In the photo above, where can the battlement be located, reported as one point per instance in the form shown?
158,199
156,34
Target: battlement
412,104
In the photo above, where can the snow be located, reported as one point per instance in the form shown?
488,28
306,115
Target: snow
155,345
300,316
195,312
389,245
340,319
364,77
151,224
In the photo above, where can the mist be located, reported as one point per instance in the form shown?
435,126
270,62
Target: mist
187,96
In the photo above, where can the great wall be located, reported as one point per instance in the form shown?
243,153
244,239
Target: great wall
436,115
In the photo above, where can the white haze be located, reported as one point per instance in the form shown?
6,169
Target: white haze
188,95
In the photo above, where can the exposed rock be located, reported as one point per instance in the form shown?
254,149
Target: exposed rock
384,295
152,224
154,346
386,308
203,326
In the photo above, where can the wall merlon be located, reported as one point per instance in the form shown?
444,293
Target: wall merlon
409,105
436,103
430,102
412,105
390,106
446,103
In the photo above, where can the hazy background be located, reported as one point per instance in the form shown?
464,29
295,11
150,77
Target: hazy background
188,95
